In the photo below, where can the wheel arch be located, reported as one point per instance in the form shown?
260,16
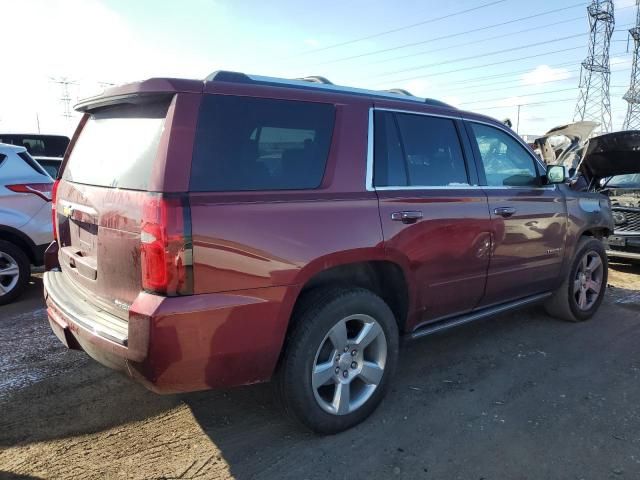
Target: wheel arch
20,240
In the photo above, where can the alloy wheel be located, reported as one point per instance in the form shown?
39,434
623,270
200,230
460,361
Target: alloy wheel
9,273
349,364
587,283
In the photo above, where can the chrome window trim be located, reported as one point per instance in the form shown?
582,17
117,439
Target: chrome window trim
424,114
369,175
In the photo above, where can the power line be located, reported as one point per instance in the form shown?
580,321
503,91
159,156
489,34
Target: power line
519,86
530,104
465,69
547,92
398,29
473,57
452,35
520,96
427,52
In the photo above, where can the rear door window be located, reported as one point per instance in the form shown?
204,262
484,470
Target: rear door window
245,143
417,151
118,145
390,168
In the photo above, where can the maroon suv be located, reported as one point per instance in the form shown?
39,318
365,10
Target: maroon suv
233,230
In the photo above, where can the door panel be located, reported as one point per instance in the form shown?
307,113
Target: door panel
434,221
528,219
528,245
447,250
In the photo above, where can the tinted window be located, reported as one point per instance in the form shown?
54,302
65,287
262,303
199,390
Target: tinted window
389,162
245,143
432,151
506,162
38,145
117,146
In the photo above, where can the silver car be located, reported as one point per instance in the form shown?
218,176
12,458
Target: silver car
25,218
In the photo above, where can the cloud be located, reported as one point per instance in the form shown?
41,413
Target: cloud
311,42
544,74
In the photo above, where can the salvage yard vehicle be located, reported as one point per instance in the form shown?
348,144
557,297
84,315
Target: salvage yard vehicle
25,219
254,228
611,165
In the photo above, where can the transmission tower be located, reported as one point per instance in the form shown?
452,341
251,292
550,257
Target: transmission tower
594,102
65,98
632,119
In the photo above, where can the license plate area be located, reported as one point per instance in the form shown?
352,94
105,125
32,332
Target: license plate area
617,241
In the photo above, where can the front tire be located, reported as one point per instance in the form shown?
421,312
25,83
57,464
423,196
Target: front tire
582,291
339,358
15,270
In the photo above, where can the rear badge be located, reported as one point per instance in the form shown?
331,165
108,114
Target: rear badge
121,305
67,210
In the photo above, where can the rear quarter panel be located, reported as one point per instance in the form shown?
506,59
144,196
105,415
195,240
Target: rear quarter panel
246,240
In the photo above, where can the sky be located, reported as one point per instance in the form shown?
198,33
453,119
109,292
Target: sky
477,66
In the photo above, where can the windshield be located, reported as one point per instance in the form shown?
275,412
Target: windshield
631,180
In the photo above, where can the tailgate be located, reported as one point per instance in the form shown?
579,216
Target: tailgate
99,201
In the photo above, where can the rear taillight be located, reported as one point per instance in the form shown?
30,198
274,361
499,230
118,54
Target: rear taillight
43,190
166,254
54,218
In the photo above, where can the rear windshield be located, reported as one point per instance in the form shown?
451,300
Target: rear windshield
38,145
245,143
117,146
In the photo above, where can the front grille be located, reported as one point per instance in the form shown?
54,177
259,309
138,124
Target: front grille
632,223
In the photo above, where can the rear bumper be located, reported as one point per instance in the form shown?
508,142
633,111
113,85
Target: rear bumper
177,344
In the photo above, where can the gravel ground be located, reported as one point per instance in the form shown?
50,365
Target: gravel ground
521,396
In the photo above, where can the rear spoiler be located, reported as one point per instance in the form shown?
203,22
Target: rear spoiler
128,92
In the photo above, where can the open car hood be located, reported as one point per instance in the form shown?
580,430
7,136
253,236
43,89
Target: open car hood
566,153
611,154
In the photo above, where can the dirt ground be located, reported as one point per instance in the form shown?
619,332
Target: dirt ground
519,396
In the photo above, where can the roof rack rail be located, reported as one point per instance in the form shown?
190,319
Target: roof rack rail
317,82
400,91
316,79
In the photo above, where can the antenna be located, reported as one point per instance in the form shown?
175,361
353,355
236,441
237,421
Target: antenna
632,119
594,102
65,98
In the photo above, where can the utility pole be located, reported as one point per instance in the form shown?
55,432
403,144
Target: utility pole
632,119
594,102
518,121
38,121
65,98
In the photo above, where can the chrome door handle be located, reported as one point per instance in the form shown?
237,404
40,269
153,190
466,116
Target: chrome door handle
504,211
406,217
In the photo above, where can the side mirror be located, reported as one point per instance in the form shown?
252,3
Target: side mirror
556,174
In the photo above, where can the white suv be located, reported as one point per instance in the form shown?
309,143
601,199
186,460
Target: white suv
25,218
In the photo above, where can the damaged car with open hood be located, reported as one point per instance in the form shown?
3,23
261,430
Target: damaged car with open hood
609,164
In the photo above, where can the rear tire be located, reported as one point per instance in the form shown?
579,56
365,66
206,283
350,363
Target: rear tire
339,358
15,270
582,291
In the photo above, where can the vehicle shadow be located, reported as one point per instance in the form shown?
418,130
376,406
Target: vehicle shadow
451,390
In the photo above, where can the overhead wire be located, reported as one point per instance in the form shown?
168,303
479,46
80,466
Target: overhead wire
399,29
